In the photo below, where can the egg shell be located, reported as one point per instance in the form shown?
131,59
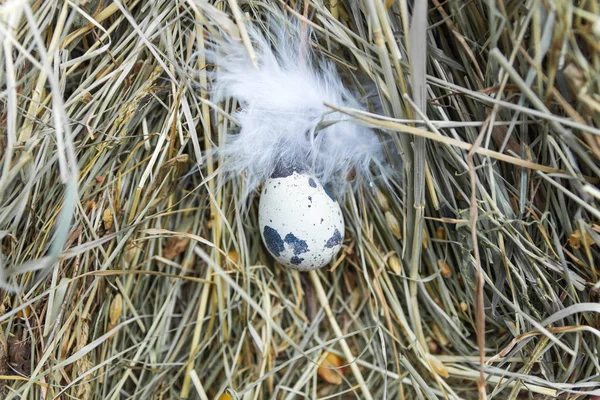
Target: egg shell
300,222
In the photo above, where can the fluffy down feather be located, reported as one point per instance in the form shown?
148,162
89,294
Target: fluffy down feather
284,122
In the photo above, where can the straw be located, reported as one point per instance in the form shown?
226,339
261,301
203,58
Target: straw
130,268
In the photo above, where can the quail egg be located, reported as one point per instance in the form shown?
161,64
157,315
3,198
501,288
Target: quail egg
300,221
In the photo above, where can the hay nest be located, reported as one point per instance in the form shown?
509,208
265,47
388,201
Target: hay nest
129,268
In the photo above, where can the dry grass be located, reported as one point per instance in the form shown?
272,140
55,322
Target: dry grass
125,276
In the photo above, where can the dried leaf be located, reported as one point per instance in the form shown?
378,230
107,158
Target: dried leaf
393,224
395,264
329,369
577,238
107,217
175,246
440,337
24,313
19,354
431,344
446,270
382,200
233,257
130,250
440,233
354,299
87,97
116,307
437,366
575,78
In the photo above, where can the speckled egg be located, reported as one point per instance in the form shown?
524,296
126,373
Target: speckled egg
300,221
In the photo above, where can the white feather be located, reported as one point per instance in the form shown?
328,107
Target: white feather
284,121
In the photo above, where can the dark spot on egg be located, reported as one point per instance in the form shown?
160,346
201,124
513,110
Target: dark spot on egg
273,241
328,191
321,220
310,198
334,240
282,171
299,246
312,182
296,260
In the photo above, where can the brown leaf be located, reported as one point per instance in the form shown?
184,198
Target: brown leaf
382,200
130,250
431,344
575,78
107,217
446,270
233,257
395,264
440,233
116,307
24,313
355,299
437,366
329,369
577,238
175,246
19,353
393,224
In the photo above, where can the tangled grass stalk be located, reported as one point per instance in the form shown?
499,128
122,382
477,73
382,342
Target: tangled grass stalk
129,268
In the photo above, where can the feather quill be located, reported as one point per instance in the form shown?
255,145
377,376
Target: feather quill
284,122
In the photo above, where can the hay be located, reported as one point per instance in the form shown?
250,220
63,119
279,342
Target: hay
123,275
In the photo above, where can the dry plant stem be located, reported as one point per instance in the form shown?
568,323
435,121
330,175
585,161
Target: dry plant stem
461,40
322,296
564,134
34,104
479,281
418,51
473,216
11,114
528,366
138,122
198,385
412,219
387,124
196,339
476,375
511,106
239,19
201,65
333,8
